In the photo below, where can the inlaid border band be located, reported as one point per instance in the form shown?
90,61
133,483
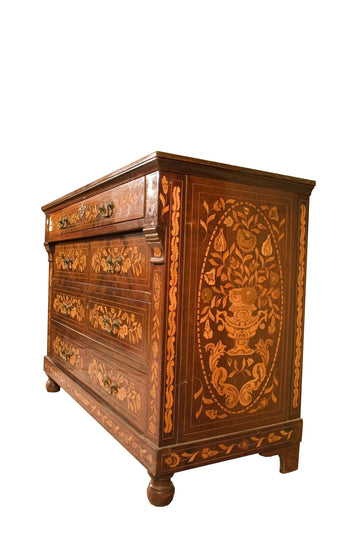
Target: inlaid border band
173,289
299,308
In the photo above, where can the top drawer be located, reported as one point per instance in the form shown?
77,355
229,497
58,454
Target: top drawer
122,203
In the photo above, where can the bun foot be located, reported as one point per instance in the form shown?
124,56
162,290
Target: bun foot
51,385
160,491
289,457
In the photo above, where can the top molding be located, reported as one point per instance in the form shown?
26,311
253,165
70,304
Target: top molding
187,166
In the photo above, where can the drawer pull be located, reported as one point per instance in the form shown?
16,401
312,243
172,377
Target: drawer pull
68,262
67,308
65,355
111,328
110,387
82,211
112,263
63,222
106,211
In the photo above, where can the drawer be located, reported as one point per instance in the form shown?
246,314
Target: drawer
118,322
121,262
71,261
122,388
122,325
122,203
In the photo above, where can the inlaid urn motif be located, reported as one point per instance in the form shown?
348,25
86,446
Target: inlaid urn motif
244,322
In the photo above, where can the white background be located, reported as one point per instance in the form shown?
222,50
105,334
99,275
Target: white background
88,87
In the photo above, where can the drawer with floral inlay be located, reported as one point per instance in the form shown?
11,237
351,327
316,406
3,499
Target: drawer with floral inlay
123,262
71,261
120,324
122,388
120,204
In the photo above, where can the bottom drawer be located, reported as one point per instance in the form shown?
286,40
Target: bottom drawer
122,389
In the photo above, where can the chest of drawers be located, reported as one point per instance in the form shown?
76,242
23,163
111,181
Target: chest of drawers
176,311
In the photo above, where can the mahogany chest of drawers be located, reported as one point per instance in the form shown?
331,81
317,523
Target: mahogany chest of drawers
176,311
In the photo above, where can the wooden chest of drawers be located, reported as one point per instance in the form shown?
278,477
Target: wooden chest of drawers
176,311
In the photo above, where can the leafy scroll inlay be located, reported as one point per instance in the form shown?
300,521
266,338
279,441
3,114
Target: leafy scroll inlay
299,307
118,260
116,322
219,450
115,384
240,307
155,349
173,287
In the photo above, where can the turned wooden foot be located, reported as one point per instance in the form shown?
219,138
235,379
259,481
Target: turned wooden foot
160,490
51,385
289,457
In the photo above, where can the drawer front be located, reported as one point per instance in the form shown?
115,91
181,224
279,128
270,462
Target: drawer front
120,324
122,203
121,262
123,389
71,261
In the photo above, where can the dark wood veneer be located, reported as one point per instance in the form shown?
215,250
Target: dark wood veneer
176,311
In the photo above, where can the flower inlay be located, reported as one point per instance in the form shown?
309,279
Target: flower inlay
71,260
115,384
116,322
118,260
69,306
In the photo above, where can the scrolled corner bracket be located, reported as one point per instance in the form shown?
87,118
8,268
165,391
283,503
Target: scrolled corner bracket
156,245
50,251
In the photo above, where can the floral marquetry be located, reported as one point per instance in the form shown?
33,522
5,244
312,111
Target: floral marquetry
240,307
176,311
116,322
115,384
70,260
70,306
124,260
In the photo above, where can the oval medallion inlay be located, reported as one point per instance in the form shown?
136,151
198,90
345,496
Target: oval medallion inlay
240,306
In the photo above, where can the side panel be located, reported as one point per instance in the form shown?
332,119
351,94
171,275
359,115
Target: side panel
239,301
